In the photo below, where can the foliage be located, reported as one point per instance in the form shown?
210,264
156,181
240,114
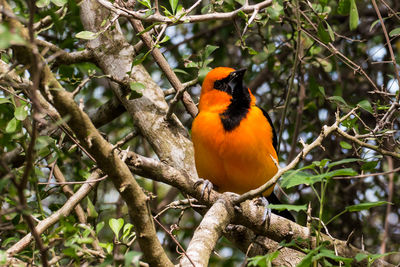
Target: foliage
306,62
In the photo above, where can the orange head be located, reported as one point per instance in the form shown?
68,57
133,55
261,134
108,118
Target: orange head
220,86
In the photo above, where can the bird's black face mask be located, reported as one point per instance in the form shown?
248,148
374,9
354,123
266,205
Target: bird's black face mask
232,83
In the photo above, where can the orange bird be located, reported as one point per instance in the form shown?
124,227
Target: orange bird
233,138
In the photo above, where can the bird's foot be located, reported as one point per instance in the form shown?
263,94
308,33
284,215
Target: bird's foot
262,201
207,185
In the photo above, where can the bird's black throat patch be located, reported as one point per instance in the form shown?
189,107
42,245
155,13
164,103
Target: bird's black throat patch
240,102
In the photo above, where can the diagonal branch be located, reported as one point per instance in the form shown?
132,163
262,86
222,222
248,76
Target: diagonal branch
169,73
208,233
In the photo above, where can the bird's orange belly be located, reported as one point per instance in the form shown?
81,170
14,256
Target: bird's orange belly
235,161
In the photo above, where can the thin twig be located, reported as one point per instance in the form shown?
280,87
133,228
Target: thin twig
178,96
174,239
293,74
392,57
82,84
389,204
172,91
76,182
366,175
163,64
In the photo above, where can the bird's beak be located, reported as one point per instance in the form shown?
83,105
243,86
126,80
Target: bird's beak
236,79
238,74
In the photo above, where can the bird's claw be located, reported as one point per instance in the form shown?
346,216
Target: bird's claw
206,185
262,201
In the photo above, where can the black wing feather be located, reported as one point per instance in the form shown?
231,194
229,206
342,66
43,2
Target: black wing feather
274,137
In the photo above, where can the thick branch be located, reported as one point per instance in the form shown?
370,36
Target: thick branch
208,233
169,139
107,112
106,158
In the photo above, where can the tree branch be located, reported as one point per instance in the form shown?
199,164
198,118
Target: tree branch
208,233
106,157
64,211
157,17
169,73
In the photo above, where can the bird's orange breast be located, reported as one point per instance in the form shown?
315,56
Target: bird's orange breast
238,160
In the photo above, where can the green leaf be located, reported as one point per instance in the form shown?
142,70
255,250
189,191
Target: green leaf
20,113
343,7
328,175
394,32
374,257
242,15
92,213
365,105
365,206
275,11
12,125
323,33
99,226
369,165
116,226
180,71
85,240
307,260
252,51
345,145
281,207
69,252
321,90
173,4
42,3
341,172
139,59
146,3
361,256
337,99
107,246
86,35
353,15
330,31
127,231
4,100
343,161
293,178
132,257
8,38
326,253
59,3
147,29
323,2
374,23
209,50
136,90
165,39
263,260
202,73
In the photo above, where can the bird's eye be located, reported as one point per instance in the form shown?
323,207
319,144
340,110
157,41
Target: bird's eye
218,85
